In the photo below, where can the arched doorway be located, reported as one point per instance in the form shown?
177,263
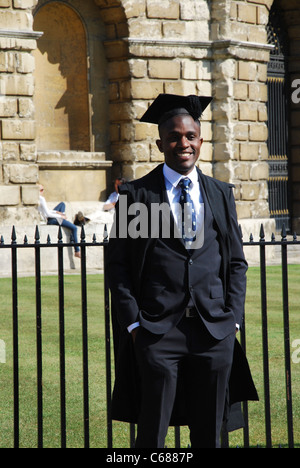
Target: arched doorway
61,94
72,101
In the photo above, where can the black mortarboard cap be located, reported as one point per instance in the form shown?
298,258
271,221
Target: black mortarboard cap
167,106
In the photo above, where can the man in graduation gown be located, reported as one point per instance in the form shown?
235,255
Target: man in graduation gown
177,275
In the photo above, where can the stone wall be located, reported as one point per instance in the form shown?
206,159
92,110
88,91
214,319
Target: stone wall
240,74
22,166
209,47
165,55
214,48
18,156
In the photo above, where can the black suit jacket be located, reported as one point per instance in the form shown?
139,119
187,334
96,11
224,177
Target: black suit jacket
127,257
125,267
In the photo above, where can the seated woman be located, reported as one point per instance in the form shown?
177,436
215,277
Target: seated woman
57,217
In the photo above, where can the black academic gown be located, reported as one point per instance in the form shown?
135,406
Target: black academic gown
126,395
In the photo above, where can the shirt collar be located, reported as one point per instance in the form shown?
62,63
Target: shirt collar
174,177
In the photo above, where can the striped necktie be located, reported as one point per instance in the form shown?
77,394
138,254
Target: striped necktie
188,212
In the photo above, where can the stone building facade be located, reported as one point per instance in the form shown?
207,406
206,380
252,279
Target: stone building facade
75,136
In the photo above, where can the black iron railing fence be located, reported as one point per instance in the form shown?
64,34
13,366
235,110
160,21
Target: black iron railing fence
263,244
59,246
14,247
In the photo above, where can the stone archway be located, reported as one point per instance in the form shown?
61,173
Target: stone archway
90,59
61,93
72,101
110,106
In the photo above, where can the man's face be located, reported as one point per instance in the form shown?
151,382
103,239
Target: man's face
180,141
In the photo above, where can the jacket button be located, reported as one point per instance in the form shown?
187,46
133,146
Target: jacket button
191,262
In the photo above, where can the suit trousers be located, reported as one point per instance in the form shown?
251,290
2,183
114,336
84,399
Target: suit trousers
203,364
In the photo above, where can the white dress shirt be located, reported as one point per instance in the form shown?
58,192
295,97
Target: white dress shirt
172,180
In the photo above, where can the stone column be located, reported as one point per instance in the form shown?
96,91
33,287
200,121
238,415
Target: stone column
240,57
18,168
168,48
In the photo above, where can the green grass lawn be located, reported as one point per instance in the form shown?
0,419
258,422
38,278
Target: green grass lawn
97,391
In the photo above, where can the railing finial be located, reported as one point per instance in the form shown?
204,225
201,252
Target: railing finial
105,234
37,235
60,236
13,236
283,233
262,233
82,236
